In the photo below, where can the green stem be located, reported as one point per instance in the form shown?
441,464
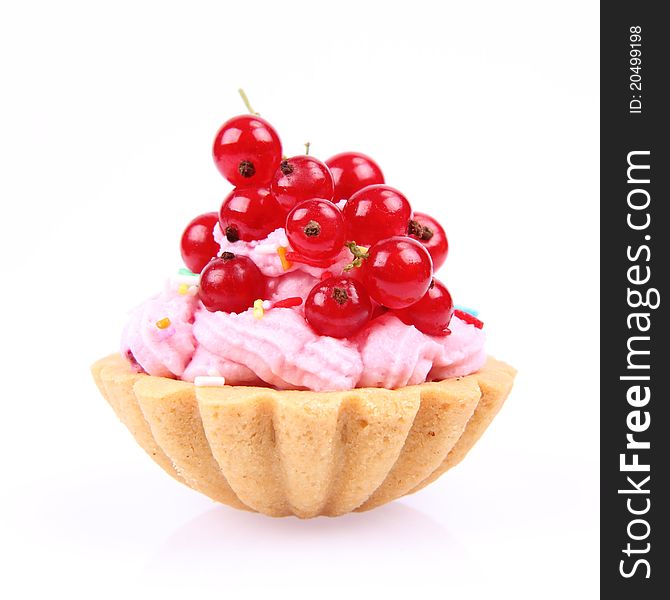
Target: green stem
247,103
360,254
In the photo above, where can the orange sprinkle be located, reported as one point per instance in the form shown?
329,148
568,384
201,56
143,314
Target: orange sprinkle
285,263
164,323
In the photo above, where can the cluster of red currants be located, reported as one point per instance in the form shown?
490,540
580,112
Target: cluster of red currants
394,251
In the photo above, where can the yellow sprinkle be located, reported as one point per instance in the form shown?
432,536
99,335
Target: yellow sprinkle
183,289
164,323
285,263
258,309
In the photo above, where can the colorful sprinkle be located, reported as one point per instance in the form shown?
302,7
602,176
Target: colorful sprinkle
205,381
286,265
183,289
258,309
163,323
185,277
468,318
288,302
472,311
304,260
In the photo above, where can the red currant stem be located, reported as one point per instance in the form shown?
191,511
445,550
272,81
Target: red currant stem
307,145
245,99
360,254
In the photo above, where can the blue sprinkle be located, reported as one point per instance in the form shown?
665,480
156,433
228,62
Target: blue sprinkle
471,311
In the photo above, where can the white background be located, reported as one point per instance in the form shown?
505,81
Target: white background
484,113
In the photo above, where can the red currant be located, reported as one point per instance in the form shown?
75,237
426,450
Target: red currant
397,272
247,151
338,307
376,212
430,233
432,313
353,171
315,228
249,214
301,178
378,310
231,283
197,242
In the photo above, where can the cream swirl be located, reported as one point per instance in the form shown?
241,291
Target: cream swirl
282,350
166,351
265,254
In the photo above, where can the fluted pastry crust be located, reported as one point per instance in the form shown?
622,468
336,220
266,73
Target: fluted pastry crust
304,453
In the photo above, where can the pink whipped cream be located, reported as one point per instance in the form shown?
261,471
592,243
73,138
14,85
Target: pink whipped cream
264,254
281,349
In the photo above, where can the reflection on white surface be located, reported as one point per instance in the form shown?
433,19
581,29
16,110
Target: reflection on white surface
141,530
223,540
125,529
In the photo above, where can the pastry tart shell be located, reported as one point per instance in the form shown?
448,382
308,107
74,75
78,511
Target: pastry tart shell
304,453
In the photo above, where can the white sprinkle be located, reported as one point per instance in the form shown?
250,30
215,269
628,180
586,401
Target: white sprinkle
267,305
193,290
203,381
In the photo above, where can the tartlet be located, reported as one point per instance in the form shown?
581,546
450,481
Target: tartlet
307,362
304,453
